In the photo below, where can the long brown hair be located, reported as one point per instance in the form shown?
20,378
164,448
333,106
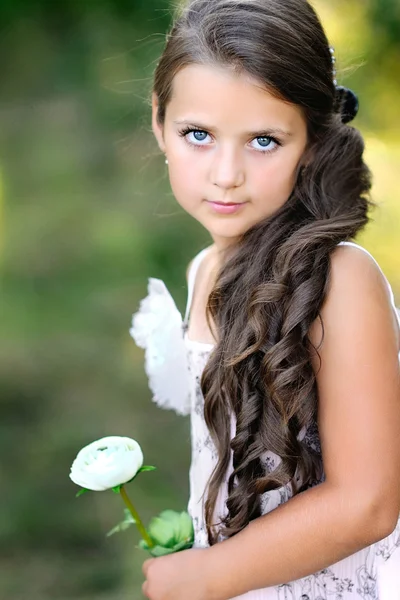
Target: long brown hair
272,285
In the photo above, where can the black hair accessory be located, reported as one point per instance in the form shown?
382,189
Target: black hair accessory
346,103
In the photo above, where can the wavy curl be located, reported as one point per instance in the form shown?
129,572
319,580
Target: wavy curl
273,283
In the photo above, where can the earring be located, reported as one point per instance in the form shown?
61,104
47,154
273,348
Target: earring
166,161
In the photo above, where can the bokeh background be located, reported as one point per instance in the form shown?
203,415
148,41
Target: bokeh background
86,216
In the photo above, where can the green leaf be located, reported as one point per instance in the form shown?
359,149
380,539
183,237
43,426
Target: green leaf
128,516
141,470
81,491
160,551
123,525
120,527
146,468
143,545
184,545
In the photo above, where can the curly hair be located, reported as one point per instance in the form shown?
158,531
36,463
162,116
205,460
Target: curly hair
273,282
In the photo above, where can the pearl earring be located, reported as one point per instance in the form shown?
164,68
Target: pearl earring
166,161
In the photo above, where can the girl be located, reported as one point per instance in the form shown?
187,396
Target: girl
290,360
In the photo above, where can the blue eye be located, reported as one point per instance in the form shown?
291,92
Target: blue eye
196,136
199,136
265,143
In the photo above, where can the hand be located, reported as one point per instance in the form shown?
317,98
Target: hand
181,576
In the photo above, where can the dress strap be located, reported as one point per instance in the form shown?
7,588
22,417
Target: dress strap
192,278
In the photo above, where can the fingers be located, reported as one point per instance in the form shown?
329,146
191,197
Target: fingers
145,589
145,566
145,569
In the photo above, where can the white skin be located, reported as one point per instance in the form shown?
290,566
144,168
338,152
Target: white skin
247,149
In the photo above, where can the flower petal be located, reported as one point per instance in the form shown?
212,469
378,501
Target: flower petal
107,462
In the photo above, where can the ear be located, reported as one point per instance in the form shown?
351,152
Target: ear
158,129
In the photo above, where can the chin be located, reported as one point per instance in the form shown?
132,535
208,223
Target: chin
230,234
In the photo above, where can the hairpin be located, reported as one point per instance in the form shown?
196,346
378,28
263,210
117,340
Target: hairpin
332,51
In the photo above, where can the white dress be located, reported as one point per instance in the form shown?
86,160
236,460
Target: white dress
174,365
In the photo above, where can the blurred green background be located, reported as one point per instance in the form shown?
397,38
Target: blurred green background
86,216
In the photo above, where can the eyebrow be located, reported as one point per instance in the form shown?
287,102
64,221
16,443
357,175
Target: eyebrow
258,132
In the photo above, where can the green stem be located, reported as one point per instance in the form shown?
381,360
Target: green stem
135,515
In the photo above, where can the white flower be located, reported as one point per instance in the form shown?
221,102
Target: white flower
157,327
106,463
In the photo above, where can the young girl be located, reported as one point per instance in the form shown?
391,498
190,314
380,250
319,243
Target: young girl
289,365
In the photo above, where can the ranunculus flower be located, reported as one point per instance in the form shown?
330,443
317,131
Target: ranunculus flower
110,463
171,532
107,463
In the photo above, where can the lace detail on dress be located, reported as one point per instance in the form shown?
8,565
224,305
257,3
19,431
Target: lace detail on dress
157,327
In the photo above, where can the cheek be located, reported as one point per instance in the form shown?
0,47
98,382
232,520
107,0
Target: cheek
187,170
276,179
182,180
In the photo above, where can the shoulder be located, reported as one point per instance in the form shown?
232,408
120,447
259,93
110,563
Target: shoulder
358,295
357,282
350,260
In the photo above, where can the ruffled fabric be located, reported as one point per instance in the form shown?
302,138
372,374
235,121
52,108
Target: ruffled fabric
158,328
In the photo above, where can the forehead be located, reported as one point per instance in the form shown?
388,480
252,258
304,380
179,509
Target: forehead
220,97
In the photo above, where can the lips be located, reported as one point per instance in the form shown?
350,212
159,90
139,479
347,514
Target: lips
226,203
225,208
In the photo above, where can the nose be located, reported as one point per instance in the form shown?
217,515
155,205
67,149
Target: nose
227,170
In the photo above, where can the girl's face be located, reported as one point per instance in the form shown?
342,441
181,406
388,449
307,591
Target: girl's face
228,140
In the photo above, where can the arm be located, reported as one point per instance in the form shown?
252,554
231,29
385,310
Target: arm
359,423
